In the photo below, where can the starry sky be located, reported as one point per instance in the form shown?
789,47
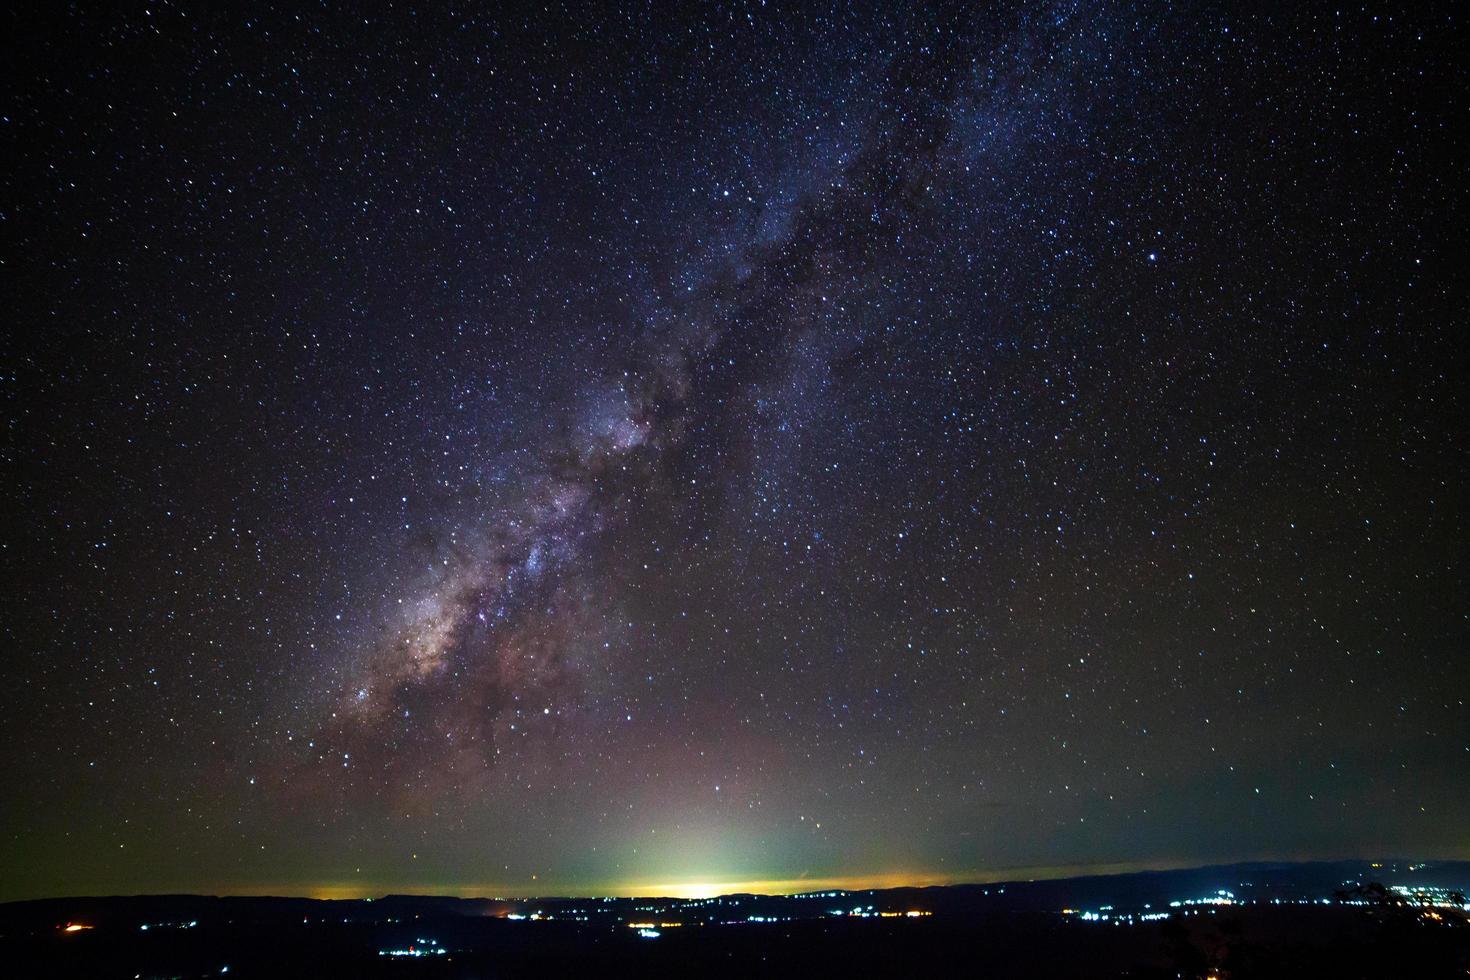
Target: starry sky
690,447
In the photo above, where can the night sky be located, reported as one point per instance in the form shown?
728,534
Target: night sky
753,445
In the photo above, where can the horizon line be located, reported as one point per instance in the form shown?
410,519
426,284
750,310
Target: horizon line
698,888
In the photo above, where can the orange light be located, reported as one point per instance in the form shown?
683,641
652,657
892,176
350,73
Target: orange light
74,927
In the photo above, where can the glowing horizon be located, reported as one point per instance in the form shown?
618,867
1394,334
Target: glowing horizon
695,887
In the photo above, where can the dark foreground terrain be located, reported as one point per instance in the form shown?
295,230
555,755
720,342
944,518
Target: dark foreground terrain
1235,922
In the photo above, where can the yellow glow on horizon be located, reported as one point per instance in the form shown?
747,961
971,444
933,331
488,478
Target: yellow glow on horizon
694,887
698,888
785,886
333,892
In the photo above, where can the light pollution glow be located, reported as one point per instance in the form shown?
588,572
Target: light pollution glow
702,887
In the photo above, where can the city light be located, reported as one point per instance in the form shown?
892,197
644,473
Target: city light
420,948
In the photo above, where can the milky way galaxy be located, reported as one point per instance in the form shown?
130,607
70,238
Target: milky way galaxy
754,445
502,624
